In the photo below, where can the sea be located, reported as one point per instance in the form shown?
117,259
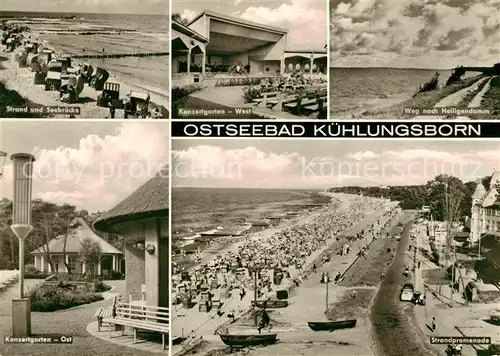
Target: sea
204,210
353,90
91,33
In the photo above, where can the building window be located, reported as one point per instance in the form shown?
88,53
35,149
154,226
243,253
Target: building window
267,69
71,263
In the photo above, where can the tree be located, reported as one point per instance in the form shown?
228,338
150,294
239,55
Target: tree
6,235
90,254
66,214
178,18
496,69
43,219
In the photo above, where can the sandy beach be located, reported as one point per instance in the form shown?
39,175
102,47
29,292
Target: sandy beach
227,245
306,297
21,80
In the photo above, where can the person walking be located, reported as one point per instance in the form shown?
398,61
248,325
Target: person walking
433,325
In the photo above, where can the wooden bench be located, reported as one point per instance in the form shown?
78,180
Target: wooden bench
265,98
104,313
141,317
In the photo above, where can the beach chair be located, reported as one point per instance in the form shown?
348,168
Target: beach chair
67,58
87,70
45,56
39,78
53,81
67,92
55,66
32,62
138,106
63,63
10,44
80,84
110,95
22,58
100,77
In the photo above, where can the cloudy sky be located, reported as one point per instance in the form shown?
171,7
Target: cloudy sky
305,19
154,7
435,34
93,165
326,163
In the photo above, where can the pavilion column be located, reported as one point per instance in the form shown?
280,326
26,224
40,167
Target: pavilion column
50,267
312,64
189,61
282,64
203,62
114,263
84,267
99,267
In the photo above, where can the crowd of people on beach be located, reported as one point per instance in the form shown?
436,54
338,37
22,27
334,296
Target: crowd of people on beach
275,263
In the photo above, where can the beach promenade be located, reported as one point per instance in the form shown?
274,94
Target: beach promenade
454,316
306,300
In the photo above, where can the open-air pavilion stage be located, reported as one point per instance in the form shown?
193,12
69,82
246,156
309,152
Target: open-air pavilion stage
224,55
219,42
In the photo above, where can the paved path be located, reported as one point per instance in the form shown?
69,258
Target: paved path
453,100
393,326
476,102
451,314
68,322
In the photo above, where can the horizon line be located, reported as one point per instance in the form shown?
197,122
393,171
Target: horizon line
87,13
392,68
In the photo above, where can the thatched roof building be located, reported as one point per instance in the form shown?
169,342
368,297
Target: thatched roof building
56,251
142,219
79,231
149,201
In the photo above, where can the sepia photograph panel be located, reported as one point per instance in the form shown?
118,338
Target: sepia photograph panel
409,59
84,238
316,249
90,59
249,59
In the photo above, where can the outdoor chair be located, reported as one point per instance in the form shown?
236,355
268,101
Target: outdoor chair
110,95
53,81
55,66
100,77
138,105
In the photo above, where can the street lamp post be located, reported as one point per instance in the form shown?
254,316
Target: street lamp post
21,226
326,280
3,156
255,269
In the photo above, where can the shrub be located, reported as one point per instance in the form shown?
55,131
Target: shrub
31,272
52,298
251,92
430,85
114,275
181,92
101,287
456,76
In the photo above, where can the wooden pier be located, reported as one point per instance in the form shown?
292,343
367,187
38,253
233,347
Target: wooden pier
119,55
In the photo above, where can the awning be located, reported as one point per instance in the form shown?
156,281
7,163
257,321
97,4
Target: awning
305,55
